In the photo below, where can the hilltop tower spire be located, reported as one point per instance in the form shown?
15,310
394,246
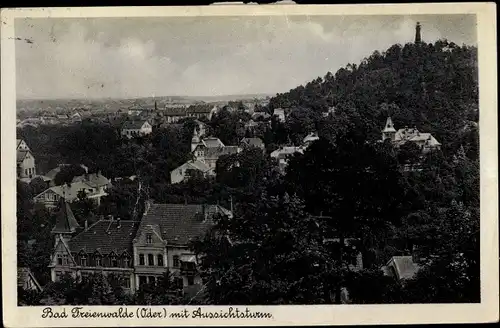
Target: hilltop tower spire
418,37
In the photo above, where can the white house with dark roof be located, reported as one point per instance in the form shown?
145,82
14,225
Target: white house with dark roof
190,169
131,129
425,141
401,267
252,142
26,169
280,113
162,241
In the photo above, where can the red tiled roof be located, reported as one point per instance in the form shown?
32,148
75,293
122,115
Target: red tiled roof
106,236
179,223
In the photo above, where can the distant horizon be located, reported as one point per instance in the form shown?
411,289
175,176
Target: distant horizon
130,58
252,95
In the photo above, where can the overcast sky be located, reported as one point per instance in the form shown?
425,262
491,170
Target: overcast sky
135,57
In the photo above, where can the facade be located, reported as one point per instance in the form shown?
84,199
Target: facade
132,129
190,169
424,141
26,280
138,251
210,155
280,113
174,114
26,169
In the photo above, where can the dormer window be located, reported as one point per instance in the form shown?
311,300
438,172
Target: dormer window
114,261
98,260
59,259
149,238
83,260
126,261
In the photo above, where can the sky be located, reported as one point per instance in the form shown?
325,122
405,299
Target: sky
205,56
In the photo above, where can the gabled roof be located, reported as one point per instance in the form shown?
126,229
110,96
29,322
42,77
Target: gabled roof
95,180
175,111
198,165
65,220
70,192
24,274
217,152
179,223
106,236
133,125
255,142
311,137
212,142
403,266
389,126
200,109
21,154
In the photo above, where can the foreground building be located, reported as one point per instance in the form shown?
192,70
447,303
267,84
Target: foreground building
190,169
138,251
27,281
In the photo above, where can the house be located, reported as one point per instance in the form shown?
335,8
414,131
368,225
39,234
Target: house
104,247
51,175
76,117
70,192
138,128
175,114
162,242
280,113
190,169
201,110
25,168
425,141
401,267
252,142
27,281
282,154
210,155
139,251
309,139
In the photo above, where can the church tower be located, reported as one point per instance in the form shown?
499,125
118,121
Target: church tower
418,37
388,132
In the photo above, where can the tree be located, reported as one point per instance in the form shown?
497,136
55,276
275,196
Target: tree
162,292
67,173
280,260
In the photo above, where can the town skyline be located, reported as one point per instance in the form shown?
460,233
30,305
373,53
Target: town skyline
203,56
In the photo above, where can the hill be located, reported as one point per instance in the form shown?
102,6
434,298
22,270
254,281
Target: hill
431,86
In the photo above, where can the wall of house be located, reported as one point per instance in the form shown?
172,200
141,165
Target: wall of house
177,175
48,198
27,167
155,248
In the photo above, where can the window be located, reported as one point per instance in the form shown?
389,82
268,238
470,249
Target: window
114,262
59,259
151,259
98,261
149,238
83,260
25,171
142,280
176,262
65,259
58,275
126,282
126,262
151,279
160,260
190,280
141,259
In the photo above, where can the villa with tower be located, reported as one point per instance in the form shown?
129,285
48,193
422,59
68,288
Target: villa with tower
425,141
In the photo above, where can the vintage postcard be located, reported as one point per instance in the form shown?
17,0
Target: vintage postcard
249,165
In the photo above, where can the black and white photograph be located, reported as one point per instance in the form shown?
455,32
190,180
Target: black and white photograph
244,160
